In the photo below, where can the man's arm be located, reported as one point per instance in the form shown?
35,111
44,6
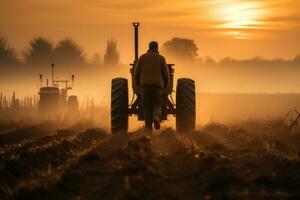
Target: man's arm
165,73
137,72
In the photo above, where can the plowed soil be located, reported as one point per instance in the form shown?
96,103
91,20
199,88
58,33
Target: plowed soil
253,161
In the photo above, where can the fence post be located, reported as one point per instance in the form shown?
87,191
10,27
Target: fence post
13,100
1,100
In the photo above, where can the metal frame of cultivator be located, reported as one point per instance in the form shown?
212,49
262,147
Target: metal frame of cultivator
295,122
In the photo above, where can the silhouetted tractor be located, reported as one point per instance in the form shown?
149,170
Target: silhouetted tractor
53,98
121,109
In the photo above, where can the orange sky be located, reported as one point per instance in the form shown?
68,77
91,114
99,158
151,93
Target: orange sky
236,28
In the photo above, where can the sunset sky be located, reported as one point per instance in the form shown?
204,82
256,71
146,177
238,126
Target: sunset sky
236,28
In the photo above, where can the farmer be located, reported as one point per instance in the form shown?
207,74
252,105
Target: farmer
152,75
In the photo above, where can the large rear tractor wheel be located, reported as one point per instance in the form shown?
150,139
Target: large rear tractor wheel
119,105
185,105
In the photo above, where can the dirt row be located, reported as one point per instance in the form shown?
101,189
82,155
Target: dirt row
43,161
216,162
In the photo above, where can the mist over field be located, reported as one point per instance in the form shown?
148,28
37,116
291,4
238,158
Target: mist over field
227,90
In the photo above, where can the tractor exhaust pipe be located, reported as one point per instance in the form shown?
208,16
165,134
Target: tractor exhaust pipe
52,73
136,41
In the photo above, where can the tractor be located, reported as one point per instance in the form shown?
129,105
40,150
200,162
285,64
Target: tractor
53,98
184,110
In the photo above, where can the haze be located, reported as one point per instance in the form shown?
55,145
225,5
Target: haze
220,28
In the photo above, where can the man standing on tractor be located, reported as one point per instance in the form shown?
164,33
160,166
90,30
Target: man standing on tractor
152,75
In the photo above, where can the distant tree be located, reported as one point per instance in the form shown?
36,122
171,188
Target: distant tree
258,58
180,48
68,52
227,61
40,52
96,60
8,55
297,59
111,56
209,61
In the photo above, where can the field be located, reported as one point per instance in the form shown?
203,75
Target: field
250,160
73,75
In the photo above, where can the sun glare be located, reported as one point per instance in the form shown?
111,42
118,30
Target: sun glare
239,16
238,35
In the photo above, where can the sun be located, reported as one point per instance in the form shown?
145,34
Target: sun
239,16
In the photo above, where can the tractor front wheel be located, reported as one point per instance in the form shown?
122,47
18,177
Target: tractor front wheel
185,105
119,105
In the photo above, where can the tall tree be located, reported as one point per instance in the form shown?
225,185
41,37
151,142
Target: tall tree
8,56
111,56
40,52
68,52
180,48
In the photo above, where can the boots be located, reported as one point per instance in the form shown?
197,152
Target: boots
156,122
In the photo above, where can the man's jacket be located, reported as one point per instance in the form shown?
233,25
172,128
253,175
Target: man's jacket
152,70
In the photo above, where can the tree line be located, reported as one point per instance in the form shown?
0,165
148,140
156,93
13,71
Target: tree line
41,52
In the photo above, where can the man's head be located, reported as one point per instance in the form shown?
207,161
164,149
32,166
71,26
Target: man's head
153,46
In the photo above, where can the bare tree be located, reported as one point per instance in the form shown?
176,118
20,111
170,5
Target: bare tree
111,56
180,48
